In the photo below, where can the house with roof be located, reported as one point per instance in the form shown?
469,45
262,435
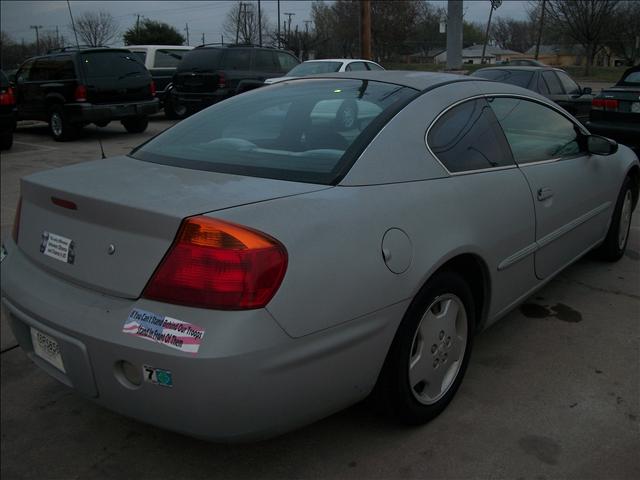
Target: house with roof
473,55
558,55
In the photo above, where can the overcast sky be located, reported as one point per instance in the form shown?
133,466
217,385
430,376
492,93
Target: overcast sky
202,16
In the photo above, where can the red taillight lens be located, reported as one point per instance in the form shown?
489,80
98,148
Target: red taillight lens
81,93
221,265
604,104
16,221
152,87
7,98
222,80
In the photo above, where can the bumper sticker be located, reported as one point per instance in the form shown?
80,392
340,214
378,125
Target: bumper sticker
157,376
168,331
58,247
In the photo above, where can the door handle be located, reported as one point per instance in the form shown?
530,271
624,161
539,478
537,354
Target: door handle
544,193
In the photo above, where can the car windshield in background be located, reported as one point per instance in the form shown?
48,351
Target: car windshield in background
521,78
632,79
297,132
200,59
314,68
112,64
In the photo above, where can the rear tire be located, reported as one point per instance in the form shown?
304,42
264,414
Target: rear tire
430,352
135,124
6,140
172,108
61,128
615,243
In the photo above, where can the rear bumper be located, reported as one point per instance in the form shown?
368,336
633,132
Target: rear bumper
248,381
87,112
198,101
622,132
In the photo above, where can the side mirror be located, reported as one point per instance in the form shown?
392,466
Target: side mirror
601,146
586,91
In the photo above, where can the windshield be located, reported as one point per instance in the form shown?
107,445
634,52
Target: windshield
632,78
300,131
314,68
112,64
521,78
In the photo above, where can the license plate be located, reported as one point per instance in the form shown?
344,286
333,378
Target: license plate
635,107
58,247
47,348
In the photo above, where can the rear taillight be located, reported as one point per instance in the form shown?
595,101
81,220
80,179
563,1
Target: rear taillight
222,80
221,265
16,221
152,88
80,94
7,98
604,104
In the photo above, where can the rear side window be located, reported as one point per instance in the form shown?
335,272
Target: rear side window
301,131
356,67
553,84
201,59
142,56
115,64
374,66
168,58
535,132
468,137
237,59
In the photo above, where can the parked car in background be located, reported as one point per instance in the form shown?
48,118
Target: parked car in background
330,65
260,266
161,61
553,83
72,87
615,112
7,112
522,62
210,73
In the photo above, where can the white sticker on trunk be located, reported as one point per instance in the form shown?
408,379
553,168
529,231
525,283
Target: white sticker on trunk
58,247
168,331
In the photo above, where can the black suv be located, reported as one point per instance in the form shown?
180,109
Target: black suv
72,87
208,74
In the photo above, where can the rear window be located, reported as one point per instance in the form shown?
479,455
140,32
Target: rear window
632,78
299,132
111,64
314,68
168,58
200,59
519,78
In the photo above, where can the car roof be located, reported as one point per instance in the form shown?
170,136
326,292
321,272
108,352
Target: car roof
531,68
338,60
416,80
159,47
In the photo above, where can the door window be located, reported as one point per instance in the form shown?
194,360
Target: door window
536,132
168,58
553,84
263,61
468,137
286,61
569,85
356,67
374,66
237,59
24,74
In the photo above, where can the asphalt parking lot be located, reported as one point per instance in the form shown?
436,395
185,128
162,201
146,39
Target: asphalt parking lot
552,390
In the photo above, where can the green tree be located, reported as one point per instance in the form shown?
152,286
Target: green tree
151,32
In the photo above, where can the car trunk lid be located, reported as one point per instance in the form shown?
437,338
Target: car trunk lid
107,224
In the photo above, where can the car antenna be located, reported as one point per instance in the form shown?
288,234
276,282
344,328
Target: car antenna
100,143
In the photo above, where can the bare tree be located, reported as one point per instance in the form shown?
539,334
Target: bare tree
624,37
241,23
518,35
97,29
587,22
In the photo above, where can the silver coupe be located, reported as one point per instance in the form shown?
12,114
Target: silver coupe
266,263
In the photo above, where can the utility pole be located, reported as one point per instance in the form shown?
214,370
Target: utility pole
288,14
203,41
454,34
494,6
278,23
245,32
186,29
365,29
259,24
540,29
57,37
37,28
138,29
306,26
73,24
221,39
238,22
